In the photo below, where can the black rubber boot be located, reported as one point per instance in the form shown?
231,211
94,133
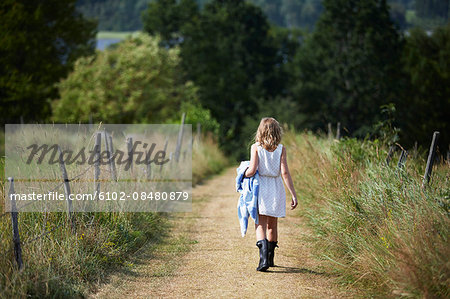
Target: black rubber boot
271,253
263,251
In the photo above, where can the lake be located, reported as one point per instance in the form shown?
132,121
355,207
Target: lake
103,43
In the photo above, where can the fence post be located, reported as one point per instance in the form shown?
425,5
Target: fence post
390,153
180,138
431,156
15,225
112,161
110,156
338,131
62,166
448,155
402,160
330,131
130,152
97,149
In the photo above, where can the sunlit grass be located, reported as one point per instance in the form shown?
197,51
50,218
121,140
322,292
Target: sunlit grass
375,227
72,264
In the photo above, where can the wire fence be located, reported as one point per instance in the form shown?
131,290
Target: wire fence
17,243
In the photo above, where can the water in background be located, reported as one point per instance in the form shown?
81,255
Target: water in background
103,43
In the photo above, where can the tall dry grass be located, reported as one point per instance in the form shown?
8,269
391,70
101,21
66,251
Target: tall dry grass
207,159
374,226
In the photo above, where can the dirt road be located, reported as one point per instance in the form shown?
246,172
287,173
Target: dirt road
205,256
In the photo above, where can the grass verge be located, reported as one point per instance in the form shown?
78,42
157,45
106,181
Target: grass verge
374,226
72,264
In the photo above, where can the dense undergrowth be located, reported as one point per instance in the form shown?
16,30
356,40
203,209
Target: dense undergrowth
374,225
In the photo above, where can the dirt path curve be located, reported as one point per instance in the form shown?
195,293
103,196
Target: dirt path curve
220,263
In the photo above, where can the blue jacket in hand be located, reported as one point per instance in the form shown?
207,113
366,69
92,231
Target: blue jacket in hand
248,200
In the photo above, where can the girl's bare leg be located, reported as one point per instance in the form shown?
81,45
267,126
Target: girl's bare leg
261,227
272,229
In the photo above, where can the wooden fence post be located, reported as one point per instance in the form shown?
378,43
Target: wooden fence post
390,153
97,149
338,131
402,160
431,156
15,225
110,156
330,131
112,160
130,152
180,138
62,166
448,155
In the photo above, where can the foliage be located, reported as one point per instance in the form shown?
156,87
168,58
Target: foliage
385,129
207,158
229,51
167,18
39,41
289,13
426,99
349,66
195,113
374,227
114,15
135,82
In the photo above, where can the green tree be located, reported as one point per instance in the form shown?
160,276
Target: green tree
231,56
229,51
114,15
426,101
135,82
349,67
167,18
39,41
432,8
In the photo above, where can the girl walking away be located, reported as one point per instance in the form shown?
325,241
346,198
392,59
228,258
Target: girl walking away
269,157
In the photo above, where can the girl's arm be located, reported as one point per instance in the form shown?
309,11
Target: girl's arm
287,178
251,170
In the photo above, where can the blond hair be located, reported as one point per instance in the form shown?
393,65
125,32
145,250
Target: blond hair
269,133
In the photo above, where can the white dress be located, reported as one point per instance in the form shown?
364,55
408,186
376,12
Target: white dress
272,196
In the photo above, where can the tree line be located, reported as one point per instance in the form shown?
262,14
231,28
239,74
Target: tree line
229,65
116,15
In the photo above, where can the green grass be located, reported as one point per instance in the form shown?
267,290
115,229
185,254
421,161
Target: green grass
68,264
115,34
207,159
374,226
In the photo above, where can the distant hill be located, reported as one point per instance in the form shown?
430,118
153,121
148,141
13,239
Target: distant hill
120,15
114,15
